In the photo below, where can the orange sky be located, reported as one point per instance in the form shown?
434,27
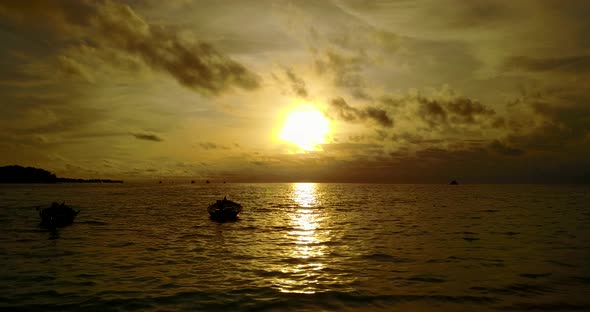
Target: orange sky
413,91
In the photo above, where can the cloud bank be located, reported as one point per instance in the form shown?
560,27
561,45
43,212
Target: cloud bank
348,113
147,137
194,64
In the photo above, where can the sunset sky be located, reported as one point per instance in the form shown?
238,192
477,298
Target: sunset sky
322,91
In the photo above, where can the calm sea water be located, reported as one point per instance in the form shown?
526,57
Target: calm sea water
299,247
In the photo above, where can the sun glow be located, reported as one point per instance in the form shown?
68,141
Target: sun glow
307,128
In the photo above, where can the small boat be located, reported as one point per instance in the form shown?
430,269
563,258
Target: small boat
57,215
224,210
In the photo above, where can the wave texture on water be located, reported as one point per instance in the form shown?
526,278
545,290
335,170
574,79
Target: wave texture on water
298,247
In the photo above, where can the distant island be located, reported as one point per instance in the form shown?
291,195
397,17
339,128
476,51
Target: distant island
19,174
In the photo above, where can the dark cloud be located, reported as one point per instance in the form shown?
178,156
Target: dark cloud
562,121
147,137
467,163
390,101
499,122
345,111
63,16
570,116
349,113
208,145
432,112
54,120
297,84
70,67
212,146
466,110
414,138
568,64
345,46
196,65
504,149
459,110
363,148
346,71
557,119
479,14
379,115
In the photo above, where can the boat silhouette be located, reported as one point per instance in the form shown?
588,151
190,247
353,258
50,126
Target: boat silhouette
224,210
57,215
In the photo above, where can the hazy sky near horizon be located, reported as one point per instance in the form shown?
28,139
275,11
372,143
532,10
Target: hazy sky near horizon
414,91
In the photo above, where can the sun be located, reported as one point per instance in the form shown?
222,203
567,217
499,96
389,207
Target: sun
306,127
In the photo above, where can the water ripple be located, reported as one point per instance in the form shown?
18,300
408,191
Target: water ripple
298,247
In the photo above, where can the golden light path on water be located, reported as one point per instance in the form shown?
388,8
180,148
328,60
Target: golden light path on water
308,245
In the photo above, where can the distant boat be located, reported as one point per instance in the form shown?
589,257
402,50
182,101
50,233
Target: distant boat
454,183
192,181
207,182
57,215
224,210
159,182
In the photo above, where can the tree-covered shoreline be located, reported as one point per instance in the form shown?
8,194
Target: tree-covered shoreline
19,174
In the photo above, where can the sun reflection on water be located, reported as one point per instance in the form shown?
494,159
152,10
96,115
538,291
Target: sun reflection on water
308,243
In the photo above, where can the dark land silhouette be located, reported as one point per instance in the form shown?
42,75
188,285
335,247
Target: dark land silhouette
19,174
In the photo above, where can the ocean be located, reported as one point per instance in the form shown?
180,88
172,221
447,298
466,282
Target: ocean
298,247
